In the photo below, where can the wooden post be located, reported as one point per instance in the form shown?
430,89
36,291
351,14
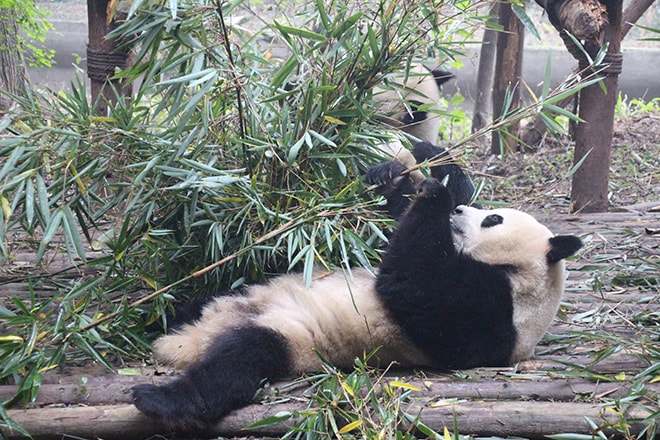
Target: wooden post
103,58
13,74
485,75
593,135
508,71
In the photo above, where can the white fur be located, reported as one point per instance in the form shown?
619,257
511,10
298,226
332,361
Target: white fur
336,316
522,242
418,85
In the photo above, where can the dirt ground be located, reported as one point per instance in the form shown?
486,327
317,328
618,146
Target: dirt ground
539,181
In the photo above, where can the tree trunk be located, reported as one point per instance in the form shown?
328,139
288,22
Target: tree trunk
114,390
508,71
535,130
633,11
593,134
13,74
483,101
103,57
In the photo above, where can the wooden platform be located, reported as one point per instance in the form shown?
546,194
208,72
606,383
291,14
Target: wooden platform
592,356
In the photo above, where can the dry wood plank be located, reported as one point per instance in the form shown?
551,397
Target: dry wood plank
526,419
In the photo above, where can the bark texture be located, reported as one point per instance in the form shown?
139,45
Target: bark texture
13,74
104,57
483,100
593,134
508,72
527,419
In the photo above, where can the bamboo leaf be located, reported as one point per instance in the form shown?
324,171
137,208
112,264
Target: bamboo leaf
10,165
346,24
29,201
577,165
278,418
52,227
525,20
284,71
349,427
71,231
298,32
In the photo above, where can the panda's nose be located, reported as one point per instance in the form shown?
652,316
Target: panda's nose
458,210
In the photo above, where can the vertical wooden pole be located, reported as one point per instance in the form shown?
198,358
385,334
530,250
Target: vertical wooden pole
485,75
593,135
103,58
13,74
508,70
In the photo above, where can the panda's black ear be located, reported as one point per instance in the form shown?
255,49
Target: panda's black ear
441,76
562,246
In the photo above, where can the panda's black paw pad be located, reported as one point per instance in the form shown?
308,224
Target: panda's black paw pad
151,400
388,173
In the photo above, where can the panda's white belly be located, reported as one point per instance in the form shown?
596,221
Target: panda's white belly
340,318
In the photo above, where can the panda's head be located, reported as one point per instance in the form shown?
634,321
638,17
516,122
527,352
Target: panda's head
508,237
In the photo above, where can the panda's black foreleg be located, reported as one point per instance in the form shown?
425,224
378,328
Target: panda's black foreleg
459,183
423,237
396,187
225,379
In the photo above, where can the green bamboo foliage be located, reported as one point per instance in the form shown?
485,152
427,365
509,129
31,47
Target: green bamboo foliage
224,153
221,145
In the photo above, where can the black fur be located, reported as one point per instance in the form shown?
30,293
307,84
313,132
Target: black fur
441,76
226,378
415,115
398,188
454,308
393,185
562,246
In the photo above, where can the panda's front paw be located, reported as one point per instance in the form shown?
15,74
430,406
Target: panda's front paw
385,174
432,189
173,407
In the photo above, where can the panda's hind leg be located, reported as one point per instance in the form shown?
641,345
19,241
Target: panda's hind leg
226,378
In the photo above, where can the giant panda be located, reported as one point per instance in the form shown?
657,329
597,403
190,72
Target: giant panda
410,101
391,180
457,288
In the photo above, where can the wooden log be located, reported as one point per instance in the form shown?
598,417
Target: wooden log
112,391
525,419
107,422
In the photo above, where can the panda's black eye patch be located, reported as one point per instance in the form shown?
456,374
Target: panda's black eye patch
492,220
